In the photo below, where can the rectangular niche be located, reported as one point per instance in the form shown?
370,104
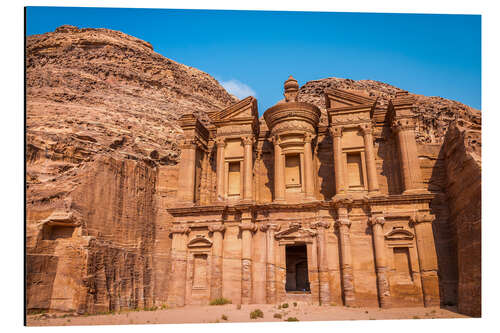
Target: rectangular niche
200,271
234,178
54,232
354,170
402,263
292,171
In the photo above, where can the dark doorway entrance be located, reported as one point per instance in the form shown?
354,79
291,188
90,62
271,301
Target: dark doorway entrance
297,277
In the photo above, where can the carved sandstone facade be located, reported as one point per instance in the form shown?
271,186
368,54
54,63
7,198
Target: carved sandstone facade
285,208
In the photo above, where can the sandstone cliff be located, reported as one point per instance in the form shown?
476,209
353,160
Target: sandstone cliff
102,133
101,123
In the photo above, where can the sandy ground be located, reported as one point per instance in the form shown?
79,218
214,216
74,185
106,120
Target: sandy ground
214,314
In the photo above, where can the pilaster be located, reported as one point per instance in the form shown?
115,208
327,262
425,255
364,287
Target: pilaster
422,223
377,223
217,231
247,229
324,283
371,165
270,229
178,276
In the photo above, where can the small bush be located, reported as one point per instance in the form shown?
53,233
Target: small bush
284,305
163,307
277,315
37,311
279,307
291,319
224,317
294,303
257,313
333,304
416,317
220,301
152,308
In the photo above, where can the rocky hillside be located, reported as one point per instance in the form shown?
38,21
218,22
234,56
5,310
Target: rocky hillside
98,91
434,113
101,120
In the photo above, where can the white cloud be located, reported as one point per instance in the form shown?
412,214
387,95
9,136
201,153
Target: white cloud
238,89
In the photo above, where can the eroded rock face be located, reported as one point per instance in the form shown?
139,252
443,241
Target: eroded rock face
101,119
102,165
462,147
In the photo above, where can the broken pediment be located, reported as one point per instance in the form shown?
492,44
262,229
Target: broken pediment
199,241
399,234
337,98
246,109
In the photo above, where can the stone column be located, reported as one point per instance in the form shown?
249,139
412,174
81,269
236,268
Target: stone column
336,133
247,228
408,155
270,229
371,166
324,283
248,168
427,258
216,280
185,192
221,144
384,294
308,165
279,171
178,273
343,225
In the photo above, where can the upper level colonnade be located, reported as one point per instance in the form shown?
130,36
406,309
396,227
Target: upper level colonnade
218,160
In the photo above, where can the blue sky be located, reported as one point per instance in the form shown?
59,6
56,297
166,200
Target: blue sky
254,52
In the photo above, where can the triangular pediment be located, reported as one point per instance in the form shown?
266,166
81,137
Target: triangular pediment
338,98
295,231
244,109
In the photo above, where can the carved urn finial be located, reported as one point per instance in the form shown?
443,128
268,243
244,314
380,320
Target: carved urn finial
291,89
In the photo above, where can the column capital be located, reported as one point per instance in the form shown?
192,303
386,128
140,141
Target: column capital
270,227
376,220
336,131
366,128
180,229
308,137
220,142
216,228
247,140
189,143
320,225
343,222
276,139
403,124
422,218
248,226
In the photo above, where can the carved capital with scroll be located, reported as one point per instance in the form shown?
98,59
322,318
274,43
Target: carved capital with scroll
216,228
248,226
336,131
270,226
180,229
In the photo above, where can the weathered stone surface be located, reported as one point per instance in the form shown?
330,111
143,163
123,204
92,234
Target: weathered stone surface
148,184
101,131
462,150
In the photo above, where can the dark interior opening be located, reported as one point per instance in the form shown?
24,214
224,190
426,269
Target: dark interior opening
297,277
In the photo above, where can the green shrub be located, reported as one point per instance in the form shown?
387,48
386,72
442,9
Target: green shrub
257,313
294,303
220,301
163,307
284,305
277,315
224,317
152,308
291,319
